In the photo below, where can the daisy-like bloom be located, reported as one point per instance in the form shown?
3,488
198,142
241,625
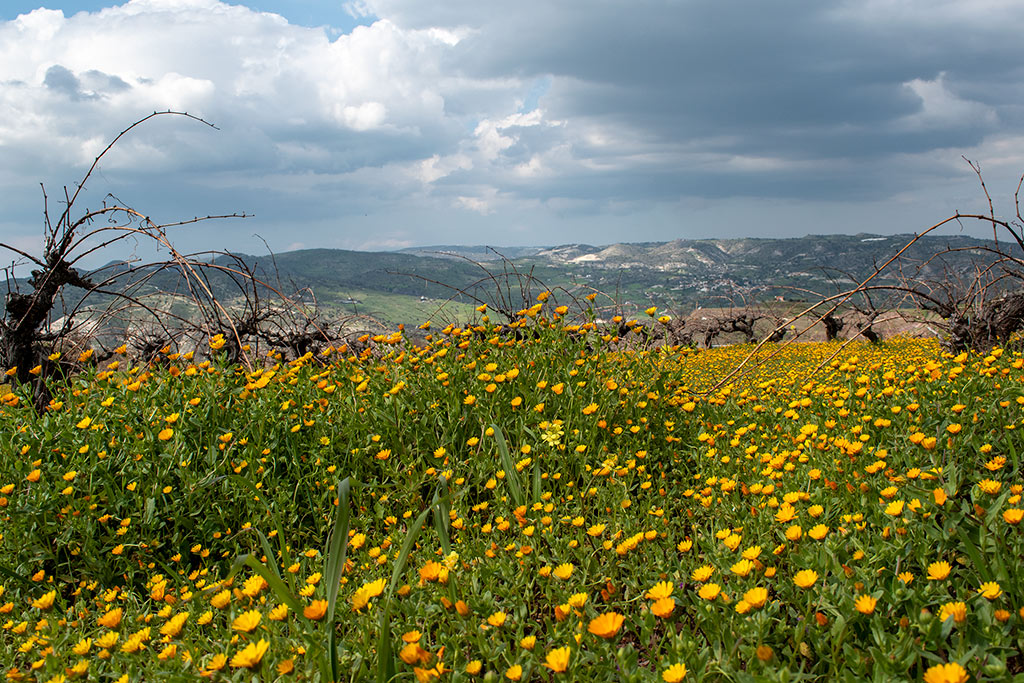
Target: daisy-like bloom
111,618
709,591
940,496
905,578
45,601
702,574
368,590
279,613
674,673
742,568
222,599
957,610
514,672
596,530
990,486
315,610
251,656
247,621
528,642
946,673
174,625
990,590
1013,516
895,508
474,667
865,604
663,607
662,589
937,571
165,434
82,647
564,571
497,619
818,532
606,625
558,660
805,578
765,653
756,597
786,513
216,663
107,640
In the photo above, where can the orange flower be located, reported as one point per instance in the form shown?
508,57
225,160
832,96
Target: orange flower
663,607
946,673
315,610
607,625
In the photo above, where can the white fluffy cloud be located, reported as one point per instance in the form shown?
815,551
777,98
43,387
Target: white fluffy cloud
488,122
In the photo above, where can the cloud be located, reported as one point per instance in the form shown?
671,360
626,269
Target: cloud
459,121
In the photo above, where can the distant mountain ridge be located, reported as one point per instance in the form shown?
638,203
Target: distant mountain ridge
671,275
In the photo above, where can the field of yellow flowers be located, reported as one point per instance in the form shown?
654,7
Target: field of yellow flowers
546,506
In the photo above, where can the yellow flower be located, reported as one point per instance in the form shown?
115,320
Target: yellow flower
514,672
165,434
251,656
247,621
222,599
756,597
662,589
894,509
606,625
990,590
45,601
818,532
474,667
865,604
216,663
805,578
742,568
85,422
702,574
497,619
709,591
946,673
957,610
937,571
82,647
674,673
558,660
564,571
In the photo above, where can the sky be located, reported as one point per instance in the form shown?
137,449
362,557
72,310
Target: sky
384,124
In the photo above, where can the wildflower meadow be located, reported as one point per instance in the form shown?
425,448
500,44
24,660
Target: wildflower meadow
541,502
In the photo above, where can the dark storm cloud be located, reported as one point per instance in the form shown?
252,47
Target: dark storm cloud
790,80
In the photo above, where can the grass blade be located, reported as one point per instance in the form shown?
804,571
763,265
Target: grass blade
511,475
334,558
